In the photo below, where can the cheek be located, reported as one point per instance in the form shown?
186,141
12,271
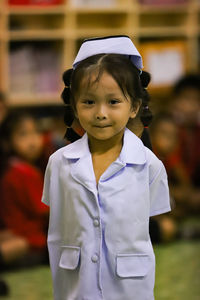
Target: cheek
84,114
38,142
78,111
80,114
19,145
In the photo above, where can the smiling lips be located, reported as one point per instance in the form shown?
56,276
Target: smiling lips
102,126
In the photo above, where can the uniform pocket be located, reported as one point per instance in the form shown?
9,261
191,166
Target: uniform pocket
132,265
69,257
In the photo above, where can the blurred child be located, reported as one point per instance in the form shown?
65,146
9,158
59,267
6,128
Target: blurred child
21,183
164,134
165,141
185,108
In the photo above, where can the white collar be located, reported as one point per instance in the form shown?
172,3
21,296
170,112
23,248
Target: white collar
133,150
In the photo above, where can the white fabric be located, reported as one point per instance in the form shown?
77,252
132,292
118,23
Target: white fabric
119,45
98,237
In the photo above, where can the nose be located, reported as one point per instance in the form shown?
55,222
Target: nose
101,113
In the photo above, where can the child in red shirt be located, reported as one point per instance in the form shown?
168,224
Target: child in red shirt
21,183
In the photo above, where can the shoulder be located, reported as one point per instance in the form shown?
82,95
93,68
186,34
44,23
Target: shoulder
152,159
72,151
60,153
155,165
57,155
20,172
135,152
19,166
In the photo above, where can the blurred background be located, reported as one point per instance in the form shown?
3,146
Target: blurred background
38,42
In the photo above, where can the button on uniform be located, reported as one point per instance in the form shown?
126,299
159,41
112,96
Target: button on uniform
94,258
96,222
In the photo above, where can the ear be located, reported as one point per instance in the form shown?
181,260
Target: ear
134,110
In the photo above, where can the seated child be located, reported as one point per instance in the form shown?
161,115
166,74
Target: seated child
186,197
21,183
185,108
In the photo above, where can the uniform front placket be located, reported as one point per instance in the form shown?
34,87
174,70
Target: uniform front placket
113,169
96,258
87,179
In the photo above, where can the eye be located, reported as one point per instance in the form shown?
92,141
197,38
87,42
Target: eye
114,101
88,102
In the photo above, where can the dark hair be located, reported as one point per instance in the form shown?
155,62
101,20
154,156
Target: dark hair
187,81
7,127
127,76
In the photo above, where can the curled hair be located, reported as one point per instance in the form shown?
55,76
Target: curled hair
128,77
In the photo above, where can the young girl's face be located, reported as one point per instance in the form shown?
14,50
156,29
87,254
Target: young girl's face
102,108
165,137
26,141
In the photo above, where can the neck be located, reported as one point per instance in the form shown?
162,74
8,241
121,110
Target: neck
136,126
104,146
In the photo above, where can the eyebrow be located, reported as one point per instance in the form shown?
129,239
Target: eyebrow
86,94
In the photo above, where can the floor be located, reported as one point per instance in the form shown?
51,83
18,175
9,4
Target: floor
177,275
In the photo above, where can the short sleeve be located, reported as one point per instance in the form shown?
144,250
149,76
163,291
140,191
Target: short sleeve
159,193
46,187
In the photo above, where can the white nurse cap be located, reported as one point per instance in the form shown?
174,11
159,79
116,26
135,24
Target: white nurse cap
120,44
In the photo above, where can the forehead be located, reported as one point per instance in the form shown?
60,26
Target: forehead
25,123
97,80
166,125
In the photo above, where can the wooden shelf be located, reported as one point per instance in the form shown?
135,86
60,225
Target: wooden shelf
34,99
162,32
66,25
164,9
27,10
101,10
18,35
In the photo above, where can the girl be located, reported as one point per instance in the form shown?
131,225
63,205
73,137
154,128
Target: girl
103,188
21,184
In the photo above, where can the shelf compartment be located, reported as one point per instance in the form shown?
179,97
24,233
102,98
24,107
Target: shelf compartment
36,35
170,8
38,3
104,21
164,20
166,60
28,22
35,68
26,27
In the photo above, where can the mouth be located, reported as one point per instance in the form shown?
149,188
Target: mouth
102,126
